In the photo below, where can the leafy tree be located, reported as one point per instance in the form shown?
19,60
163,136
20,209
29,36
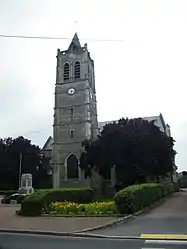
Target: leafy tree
136,147
32,162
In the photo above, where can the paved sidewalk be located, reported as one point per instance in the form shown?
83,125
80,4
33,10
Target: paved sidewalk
9,220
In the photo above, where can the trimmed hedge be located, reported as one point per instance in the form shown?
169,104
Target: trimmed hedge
33,204
136,197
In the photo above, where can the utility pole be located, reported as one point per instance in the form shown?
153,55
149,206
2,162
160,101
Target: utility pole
20,166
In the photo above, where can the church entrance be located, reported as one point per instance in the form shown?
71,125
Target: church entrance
72,167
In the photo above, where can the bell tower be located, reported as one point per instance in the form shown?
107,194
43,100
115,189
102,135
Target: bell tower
75,113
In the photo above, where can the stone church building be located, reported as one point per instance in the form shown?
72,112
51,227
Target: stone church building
75,116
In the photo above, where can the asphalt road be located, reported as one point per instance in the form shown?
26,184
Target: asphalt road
21,241
169,218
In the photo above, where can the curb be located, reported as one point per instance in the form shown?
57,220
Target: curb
64,234
109,224
76,235
34,232
99,236
82,215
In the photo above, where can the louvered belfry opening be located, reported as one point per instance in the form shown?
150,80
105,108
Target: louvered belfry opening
77,70
66,71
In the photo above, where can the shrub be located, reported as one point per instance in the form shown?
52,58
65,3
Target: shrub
137,197
94,208
20,198
34,203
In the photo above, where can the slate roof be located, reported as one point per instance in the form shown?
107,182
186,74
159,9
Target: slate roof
75,42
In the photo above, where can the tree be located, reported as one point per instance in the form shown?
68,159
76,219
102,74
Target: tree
91,157
33,162
136,147
184,173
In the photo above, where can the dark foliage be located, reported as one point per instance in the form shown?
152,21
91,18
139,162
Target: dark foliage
33,161
137,148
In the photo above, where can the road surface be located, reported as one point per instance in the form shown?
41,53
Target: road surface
169,218
21,241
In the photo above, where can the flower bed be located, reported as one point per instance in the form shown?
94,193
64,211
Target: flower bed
72,208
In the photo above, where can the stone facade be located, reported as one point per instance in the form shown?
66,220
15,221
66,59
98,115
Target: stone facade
75,113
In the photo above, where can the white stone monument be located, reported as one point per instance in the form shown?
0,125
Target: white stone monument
26,184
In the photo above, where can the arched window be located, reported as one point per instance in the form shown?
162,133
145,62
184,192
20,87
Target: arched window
66,71
72,167
77,70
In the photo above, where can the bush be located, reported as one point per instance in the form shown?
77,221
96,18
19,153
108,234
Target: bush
137,197
69,208
20,198
34,203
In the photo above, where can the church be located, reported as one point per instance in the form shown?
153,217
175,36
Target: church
75,115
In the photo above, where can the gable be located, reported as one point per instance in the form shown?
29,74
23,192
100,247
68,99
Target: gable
48,144
157,121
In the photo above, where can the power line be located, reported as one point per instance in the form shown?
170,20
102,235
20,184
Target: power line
33,37
37,131
55,38
32,131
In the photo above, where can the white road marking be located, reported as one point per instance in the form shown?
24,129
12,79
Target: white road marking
168,242
152,248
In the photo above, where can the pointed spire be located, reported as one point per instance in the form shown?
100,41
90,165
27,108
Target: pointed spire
75,43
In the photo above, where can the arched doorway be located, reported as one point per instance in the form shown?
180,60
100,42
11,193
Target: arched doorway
72,165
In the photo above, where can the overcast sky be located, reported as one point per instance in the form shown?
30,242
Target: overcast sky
144,75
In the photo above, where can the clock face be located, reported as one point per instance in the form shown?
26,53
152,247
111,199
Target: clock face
71,91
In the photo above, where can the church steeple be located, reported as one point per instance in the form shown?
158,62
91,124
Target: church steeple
75,43
75,113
